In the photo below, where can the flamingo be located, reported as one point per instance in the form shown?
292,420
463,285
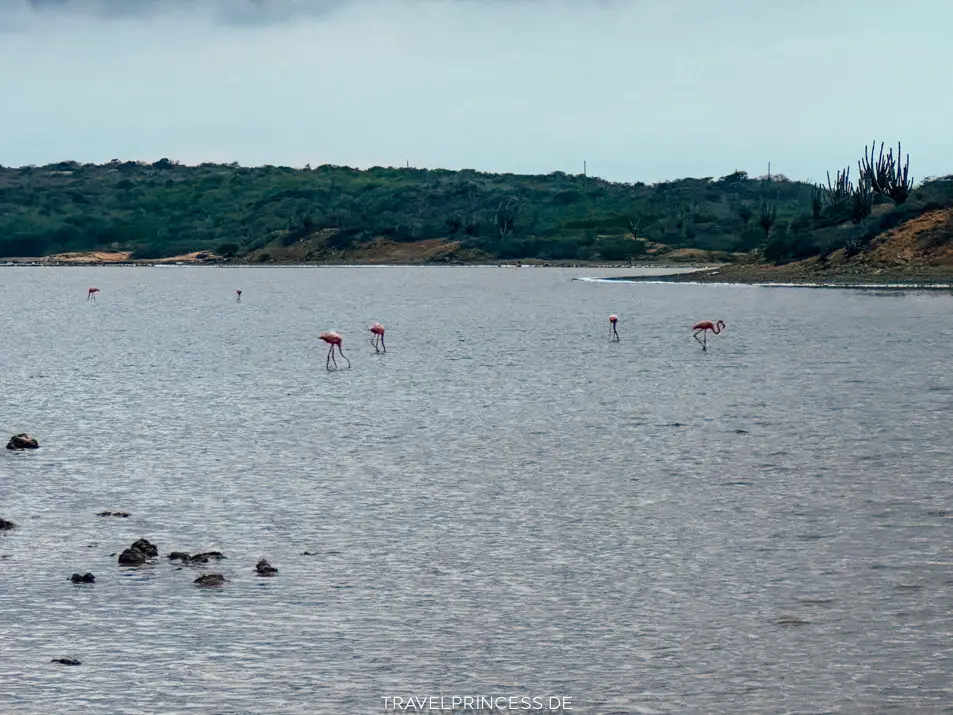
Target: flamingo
92,294
239,299
333,339
613,333
703,328
378,338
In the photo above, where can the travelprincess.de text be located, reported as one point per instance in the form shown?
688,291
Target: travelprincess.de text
467,703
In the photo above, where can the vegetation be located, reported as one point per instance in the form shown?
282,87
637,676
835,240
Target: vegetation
165,208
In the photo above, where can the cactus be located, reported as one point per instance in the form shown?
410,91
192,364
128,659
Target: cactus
862,200
769,213
841,190
885,175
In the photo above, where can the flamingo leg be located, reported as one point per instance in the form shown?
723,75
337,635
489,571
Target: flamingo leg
327,363
382,344
695,335
343,356
375,341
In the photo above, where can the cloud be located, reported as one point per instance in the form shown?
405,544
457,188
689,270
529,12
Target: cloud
232,12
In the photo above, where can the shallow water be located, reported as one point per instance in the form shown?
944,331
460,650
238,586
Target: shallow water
503,504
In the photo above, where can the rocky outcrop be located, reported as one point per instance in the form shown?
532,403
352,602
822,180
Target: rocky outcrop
82,578
66,661
207,556
22,441
132,557
265,569
146,547
138,553
120,514
7,525
211,579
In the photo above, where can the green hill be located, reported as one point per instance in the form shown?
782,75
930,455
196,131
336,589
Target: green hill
166,208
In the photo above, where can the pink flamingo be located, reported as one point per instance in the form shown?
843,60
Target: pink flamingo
239,300
333,339
703,328
92,294
613,334
378,339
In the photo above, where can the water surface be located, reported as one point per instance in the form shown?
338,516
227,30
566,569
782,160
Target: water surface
504,504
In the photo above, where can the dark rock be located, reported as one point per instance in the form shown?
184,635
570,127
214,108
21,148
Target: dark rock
265,569
82,578
179,556
7,525
210,579
146,547
121,514
22,441
132,557
207,556
66,661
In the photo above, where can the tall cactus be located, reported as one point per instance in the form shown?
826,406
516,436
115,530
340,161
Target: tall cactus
885,175
841,190
769,213
862,200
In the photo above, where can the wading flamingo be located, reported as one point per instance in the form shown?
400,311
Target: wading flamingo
703,328
613,333
334,340
239,299
378,340
92,294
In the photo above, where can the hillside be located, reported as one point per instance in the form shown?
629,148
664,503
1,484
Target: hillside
139,211
918,250
165,208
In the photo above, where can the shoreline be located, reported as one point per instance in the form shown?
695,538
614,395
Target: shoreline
764,275
165,263
923,278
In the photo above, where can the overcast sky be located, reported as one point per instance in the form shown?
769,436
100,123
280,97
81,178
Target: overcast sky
643,90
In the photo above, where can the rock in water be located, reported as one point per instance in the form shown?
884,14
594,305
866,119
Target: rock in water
121,514
265,569
205,556
179,556
7,525
211,579
22,441
132,557
82,578
146,547
66,661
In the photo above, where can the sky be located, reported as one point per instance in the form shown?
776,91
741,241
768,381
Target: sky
639,90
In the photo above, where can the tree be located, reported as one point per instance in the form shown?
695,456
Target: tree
745,213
